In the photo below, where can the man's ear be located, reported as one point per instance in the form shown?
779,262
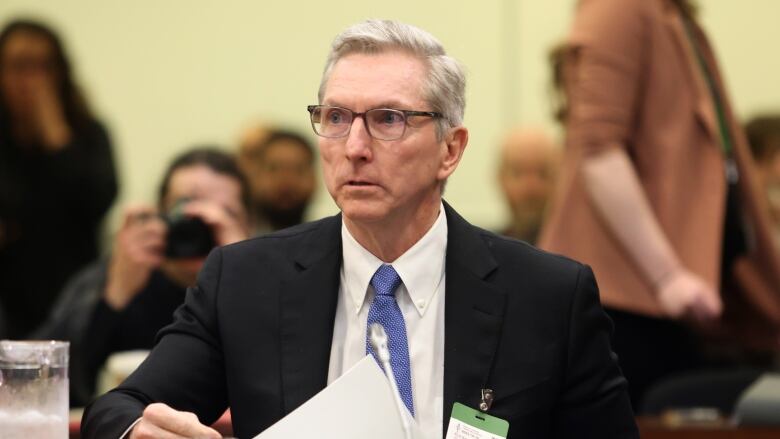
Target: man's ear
455,141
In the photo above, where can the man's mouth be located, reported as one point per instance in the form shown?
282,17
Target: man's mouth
359,183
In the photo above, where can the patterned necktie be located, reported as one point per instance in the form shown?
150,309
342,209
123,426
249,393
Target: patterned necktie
384,310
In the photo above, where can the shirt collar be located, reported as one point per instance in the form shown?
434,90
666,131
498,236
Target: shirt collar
421,268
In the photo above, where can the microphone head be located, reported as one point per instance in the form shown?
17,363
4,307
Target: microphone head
378,339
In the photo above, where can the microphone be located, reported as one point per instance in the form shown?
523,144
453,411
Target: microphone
378,339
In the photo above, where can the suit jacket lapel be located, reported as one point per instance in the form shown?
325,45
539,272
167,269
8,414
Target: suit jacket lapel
308,308
474,310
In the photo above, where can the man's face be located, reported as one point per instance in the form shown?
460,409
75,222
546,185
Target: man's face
375,180
282,177
198,182
527,174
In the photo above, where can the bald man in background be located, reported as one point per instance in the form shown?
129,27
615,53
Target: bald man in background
527,171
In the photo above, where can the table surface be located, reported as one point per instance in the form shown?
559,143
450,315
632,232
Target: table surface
654,428
649,428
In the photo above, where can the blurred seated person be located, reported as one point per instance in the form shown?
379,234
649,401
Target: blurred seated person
120,304
279,165
57,176
763,134
527,171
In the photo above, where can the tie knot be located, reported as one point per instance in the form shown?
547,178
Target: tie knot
385,280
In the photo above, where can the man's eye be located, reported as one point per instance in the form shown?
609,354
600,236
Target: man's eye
335,116
390,117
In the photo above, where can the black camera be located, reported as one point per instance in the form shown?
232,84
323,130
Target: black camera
188,236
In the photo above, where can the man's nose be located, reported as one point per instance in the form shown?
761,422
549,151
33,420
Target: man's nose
358,145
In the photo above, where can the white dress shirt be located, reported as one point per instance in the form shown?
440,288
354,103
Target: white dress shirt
421,299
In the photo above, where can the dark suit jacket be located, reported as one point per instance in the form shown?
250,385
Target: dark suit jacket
255,335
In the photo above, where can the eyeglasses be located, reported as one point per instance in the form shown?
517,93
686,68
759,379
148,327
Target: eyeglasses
381,123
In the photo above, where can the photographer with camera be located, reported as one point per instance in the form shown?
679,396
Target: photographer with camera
120,304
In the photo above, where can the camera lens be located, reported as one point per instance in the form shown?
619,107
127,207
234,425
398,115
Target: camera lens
188,236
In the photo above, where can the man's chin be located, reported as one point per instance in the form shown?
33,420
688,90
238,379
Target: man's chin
364,212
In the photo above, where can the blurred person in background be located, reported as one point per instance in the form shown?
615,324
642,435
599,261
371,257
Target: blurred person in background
251,137
763,133
659,195
280,167
120,304
57,176
527,171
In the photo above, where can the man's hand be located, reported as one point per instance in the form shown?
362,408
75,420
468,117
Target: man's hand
227,228
138,249
160,421
684,294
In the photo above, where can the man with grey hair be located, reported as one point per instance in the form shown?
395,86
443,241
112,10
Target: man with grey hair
472,318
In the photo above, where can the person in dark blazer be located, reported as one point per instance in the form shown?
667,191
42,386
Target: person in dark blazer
274,320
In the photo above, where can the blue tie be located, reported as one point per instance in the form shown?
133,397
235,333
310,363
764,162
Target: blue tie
385,310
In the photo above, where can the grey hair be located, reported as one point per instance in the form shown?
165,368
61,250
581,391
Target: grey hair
445,84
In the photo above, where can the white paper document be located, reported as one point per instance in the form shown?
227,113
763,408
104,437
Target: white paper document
358,405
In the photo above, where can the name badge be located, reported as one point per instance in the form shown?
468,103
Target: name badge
467,423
